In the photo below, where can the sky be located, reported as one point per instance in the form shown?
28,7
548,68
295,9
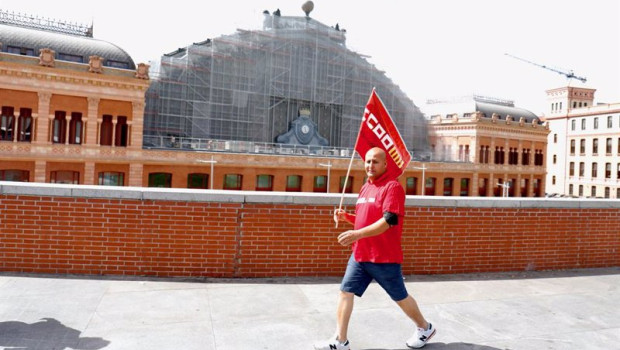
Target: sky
431,49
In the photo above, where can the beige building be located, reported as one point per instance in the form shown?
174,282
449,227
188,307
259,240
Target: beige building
584,144
505,145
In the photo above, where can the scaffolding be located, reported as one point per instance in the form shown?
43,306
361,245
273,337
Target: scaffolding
250,85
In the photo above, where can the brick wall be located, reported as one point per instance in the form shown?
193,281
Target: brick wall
162,232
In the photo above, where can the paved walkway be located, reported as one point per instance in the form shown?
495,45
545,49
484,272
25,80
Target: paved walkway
578,309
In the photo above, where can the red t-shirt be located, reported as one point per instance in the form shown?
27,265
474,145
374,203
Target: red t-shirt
374,199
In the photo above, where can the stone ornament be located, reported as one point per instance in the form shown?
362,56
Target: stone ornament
46,57
95,64
142,72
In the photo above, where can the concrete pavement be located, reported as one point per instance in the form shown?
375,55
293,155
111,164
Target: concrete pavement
576,309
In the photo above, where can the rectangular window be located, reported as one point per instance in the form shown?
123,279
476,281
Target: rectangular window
412,186
111,178
583,123
608,170
320,183
609,122
59,127
582,146
233,181
65,177
349,188
429,187
24,125
570,189
594,170
105,134
293,183
607,192
70,57
582,169
593,191
595,146
596,123
571,169
464,187
198,180
75,128
572,147
14,175
7,124
608,146
122,129
447,186
264,182
573,124
580,190
482,187
160,180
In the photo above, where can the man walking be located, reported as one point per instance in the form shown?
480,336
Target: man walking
377,252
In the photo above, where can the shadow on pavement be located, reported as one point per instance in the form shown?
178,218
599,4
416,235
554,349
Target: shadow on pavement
45,335
450,346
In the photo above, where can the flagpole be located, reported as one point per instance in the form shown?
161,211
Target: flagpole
346,179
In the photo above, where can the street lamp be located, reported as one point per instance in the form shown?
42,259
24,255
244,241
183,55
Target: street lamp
423,168
212,162
328,166
505,186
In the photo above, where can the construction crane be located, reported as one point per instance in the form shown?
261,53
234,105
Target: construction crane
569,74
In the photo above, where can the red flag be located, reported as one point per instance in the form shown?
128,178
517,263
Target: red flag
378,130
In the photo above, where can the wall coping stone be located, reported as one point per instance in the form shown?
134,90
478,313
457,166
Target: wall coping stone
301,198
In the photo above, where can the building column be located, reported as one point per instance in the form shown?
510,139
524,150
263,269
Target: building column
137,121
40,170
42,120
135,175
89,174
91,121
473,186
491,185
517,190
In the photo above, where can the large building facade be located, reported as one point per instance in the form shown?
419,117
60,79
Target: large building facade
71,113
251,85
584,144
503,147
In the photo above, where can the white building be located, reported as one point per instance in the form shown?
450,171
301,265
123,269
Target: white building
583,145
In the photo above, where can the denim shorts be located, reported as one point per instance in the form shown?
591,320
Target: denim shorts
359,275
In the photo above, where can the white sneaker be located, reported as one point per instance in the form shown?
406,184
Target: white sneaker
421,337
332,344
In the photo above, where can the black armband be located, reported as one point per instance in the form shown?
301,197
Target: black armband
390,218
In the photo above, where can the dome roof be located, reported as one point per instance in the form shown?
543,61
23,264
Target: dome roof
475,103
74,48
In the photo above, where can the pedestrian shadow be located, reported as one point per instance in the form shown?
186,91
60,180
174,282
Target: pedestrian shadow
450,346
45,335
